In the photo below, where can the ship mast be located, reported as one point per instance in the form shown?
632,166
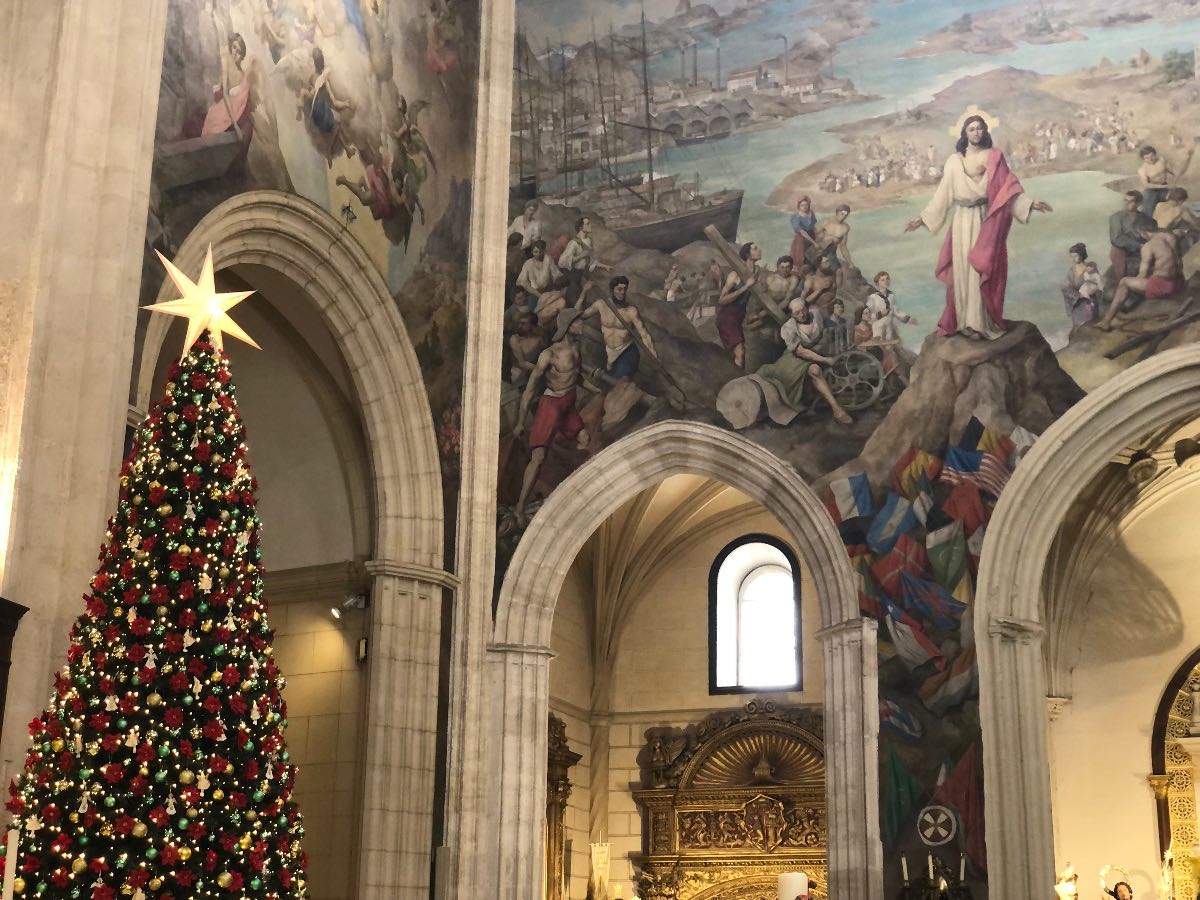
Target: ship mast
604,147
646,100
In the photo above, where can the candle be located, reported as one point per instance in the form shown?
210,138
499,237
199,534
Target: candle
962,867
10,862
904,867
793,885
930,858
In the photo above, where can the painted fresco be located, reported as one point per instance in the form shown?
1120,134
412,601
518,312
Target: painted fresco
889,241
364,107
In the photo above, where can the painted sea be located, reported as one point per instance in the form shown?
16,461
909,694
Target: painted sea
756,161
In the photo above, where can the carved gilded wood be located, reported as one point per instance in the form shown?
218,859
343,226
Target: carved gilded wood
731,802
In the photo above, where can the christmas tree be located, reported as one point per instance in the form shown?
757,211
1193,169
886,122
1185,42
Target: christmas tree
159,769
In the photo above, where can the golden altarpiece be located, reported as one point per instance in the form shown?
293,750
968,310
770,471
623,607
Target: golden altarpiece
731,802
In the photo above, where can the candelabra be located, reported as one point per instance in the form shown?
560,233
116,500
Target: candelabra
935,881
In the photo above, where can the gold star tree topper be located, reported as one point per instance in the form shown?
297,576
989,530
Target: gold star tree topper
202,306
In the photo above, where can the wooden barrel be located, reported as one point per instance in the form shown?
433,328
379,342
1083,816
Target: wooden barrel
741,403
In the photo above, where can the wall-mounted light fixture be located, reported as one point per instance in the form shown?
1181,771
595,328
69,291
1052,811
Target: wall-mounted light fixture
352,601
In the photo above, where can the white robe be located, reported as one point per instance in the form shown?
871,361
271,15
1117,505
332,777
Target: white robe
956,191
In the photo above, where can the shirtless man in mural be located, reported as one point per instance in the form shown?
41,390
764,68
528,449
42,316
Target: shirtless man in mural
526,345
833,242
1160,274
542,278
556,413
820,289
624,337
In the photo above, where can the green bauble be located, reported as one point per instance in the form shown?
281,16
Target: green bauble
174,576
163,751
249,745
46,747
255,884
282,820
258,796
203,607
151,853
122,860
160,776
122,724
183,824
41,887
85,774
219,650
82,840
135,680
285,756
110,802
187,699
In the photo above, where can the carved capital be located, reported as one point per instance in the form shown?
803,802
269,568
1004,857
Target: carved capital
851,629
1013,630
1159,784
1055,706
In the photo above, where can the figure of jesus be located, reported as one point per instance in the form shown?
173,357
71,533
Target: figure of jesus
980,196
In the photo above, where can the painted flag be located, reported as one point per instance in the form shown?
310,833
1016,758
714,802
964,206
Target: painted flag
848,498
908,555
868,590
922,503
947,548
975,550
948,688
993,473
894,716
964,591
902,796
913,646
965,505
907,473
963,792
894,519
992,441
960,465
971,434
930,601
1022,440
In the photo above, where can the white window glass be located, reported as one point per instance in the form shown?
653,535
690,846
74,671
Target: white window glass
754,619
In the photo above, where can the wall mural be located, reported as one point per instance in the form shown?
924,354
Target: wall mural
889,240
347,103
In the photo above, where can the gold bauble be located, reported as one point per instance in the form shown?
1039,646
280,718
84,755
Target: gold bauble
192,812
154,884
215,494
251,815
228,768
139,830
185,853
224,515
143,771
206,625
216,676
118,612
140,555
165,509
126,890
244,842
224,879
57,745
223,571
218,794
137,499
210,430
187,776
184,549
74,818
78,864
154,700
19,885
172,465
217,459
162,610
172,418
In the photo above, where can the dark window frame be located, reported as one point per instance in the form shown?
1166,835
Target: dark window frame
713,573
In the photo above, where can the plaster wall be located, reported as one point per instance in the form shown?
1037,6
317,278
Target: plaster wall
660,678
1100,745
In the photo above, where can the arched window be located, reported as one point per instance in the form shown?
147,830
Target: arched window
754,617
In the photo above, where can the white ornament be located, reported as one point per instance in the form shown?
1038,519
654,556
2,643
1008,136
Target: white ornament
110,703
190,512
188,639
202,782
197,687
33,824
170,807
131,615
205,581
77,743
132,739
83,803
255,715
151,659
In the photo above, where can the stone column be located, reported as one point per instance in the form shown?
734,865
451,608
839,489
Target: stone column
79,84
1020,833
852,759
403,657
517,765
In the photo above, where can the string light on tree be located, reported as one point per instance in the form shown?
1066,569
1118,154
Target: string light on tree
159,768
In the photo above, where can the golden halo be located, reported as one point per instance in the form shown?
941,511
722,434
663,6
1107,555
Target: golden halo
1104,877
992,122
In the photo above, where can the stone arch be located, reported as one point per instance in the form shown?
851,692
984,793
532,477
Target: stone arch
1009,623
520,649
300,240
